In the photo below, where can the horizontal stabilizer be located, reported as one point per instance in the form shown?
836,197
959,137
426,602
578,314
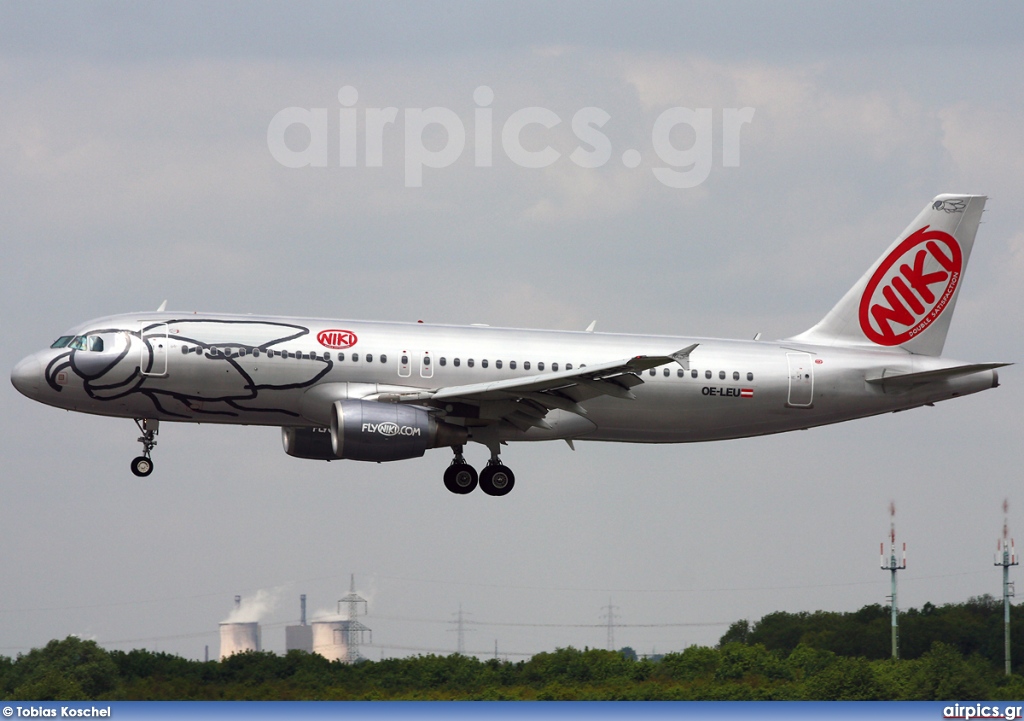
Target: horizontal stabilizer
909,379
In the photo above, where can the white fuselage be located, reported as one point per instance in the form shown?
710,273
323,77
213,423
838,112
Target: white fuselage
275,371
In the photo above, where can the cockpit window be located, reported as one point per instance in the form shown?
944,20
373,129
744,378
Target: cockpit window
80,342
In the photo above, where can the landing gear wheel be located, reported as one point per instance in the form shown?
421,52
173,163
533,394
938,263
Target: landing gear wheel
497,480
142,466
460,478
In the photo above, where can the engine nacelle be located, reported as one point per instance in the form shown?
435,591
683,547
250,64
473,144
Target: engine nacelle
373,431
312,443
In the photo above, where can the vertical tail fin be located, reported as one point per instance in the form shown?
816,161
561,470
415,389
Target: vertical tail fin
906,298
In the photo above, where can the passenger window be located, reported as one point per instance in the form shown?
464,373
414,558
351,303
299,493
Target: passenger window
721,375
707,374
185,350
540,366
512,365
526,365
483,363
554,366
444,361
405,360
681,373
735,375
667,372
693,374
256,352
568,366
652,372
426,360
369,357
355,357
750,376
470,362
497,364
384,358
341,356
456,361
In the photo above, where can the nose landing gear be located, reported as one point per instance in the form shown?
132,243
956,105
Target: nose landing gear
142,465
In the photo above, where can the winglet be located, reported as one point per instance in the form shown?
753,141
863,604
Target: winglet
162,308
682,357
590,328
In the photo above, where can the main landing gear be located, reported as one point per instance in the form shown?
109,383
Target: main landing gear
142,465
494,480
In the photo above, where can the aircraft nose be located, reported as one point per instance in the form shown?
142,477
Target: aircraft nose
27,376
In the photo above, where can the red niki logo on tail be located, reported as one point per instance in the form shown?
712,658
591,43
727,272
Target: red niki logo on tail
911,287
337,339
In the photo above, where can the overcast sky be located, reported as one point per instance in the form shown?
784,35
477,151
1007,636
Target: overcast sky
135,167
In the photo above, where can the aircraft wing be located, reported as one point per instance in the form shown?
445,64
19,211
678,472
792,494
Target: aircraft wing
525,401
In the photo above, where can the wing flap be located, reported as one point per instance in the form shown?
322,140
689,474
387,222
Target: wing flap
525,401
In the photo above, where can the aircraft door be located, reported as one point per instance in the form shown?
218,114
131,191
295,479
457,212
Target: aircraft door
426,365
404,365
155,344
801,380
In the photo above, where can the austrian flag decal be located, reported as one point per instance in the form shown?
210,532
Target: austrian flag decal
746,392
911,287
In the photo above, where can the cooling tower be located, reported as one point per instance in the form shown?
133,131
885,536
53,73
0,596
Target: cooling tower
238,637
330,639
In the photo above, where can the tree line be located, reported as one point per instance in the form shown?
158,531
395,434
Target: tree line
791,656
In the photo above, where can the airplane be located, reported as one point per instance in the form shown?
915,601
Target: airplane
388,391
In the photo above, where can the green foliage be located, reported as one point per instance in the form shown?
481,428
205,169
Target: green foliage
974,627
739,632
844,679
805,656
68,670
806,661
696,662
738,661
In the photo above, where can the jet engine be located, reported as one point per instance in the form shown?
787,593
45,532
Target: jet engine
312,443
373,431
